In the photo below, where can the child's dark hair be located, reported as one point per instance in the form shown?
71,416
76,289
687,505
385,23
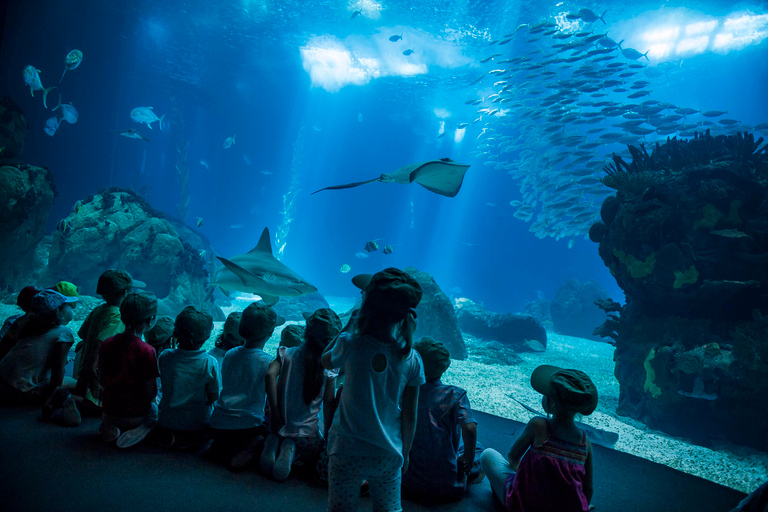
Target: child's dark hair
370,314
313,369
185,343
38,324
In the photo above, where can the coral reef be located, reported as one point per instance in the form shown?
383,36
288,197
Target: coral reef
26,197
118,228
686,237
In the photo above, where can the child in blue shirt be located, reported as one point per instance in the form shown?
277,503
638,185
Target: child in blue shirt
238,415
445,445
190,382
375,423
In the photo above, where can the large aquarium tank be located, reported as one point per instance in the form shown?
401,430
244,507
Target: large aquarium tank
573,184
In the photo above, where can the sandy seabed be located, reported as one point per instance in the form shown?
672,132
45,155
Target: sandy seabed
490,388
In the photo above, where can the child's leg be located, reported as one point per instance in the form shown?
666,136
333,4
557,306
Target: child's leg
497,469
384,481
344,479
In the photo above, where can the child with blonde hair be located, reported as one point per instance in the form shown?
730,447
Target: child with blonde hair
297,386
549,467
375,422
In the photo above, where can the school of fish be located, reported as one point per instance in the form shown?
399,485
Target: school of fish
557,103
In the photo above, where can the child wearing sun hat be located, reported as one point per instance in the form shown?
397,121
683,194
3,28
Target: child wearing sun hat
549,466
374,425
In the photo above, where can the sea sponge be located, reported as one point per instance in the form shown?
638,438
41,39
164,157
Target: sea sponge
650,376
690,276
710,217
637,268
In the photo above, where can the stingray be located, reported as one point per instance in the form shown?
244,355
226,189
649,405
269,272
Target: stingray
442,177
260,273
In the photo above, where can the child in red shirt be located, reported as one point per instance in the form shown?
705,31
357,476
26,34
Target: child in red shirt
128,373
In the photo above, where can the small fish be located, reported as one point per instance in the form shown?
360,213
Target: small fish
632,54
201,254
371,246
387,250
205,164
572,16
409,51
69,113
345,269
590,16
199,222
607,42
132,134
63,227
639,94
77,207
483,61
51,125
361,255
247,159
145,115
32,79
355,14
395,37
713,113
73,59
229,141
462,125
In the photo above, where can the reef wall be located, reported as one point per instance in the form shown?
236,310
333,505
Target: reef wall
686,237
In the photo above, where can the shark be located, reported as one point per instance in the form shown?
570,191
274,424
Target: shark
260,273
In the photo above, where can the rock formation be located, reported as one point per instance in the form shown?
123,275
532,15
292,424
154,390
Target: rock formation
686,237
573,309
117,228
521,332
26,197
436,317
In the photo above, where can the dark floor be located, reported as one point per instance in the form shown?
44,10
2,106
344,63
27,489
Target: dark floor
46,467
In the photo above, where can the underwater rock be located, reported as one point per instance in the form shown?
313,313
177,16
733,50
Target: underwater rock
539,310
521,332
13,128
291,308
26,197
117,228
436,317
687,240
573,309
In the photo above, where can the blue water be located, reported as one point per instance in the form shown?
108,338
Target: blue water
236,68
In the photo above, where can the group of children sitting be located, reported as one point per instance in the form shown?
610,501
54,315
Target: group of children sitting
353,404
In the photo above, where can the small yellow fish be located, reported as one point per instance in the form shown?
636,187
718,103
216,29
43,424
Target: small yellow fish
77,207
345,268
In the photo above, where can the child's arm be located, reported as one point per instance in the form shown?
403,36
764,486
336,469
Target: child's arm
469,437
212,388
57,361
524,441
587,483
329,404
270,383
325,359
409,405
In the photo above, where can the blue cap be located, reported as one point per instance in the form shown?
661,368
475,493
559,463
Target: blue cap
50,300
